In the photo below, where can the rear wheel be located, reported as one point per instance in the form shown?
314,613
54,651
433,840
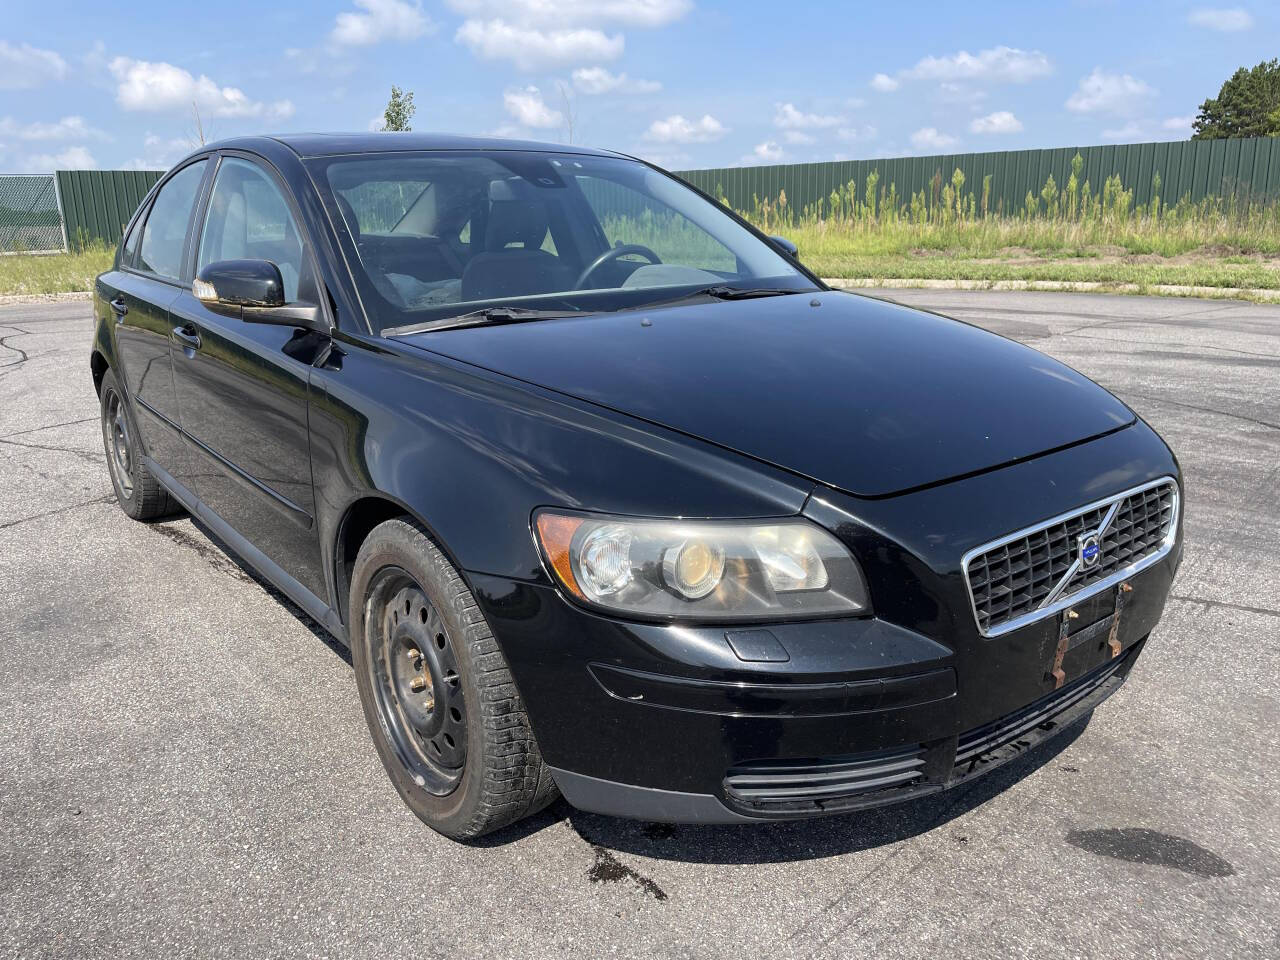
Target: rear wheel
138,492
443,711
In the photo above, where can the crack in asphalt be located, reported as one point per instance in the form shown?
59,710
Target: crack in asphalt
52,426
1172,343
94,458
1226,604
110,498
22,354
1221,413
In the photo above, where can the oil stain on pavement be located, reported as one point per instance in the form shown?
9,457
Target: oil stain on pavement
609,869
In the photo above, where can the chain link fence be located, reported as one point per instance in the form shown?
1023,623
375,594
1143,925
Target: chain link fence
30,215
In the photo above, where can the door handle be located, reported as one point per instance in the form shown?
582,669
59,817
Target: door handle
187,336
119,307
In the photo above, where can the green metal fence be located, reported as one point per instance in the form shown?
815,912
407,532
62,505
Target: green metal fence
29,218
1243,169
97,204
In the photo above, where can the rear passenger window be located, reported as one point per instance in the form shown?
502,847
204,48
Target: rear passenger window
166,229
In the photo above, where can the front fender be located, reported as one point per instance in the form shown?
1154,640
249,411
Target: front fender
473,453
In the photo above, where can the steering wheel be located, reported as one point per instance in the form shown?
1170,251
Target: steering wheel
612,254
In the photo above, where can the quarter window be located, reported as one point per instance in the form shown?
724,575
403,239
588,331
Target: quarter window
165,232
131,241
249,219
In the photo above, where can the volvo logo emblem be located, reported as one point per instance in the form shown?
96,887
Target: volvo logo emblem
1090,549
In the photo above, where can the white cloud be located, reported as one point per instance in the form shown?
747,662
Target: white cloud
72,158
573,13
676,129
929,138
884,83
863,133
998,65
162,86
531,47
767,152
789,118
951,92
1130,131
68,128
542,33
597,80
1102,92
798,138
528,108
1002,121
159,153
667,159
23,67
1224,20
381,20
1178,124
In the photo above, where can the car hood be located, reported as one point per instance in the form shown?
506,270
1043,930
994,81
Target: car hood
853,392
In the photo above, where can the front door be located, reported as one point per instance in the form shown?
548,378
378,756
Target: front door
243,387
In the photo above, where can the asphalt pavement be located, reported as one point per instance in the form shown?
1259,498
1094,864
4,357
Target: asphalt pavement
185,771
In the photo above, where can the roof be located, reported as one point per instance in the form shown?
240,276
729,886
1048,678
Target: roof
328,144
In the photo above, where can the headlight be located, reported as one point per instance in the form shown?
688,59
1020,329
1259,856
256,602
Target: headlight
702,569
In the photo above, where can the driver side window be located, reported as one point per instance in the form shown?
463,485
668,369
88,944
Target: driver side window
249,219
628,216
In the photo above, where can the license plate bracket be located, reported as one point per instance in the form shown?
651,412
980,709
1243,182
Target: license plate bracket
1108,627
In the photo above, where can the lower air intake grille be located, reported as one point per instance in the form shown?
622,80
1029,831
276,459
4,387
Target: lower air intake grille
977,746
806,785
1036,572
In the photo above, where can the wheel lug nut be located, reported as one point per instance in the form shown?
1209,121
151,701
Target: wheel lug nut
414,653
418,683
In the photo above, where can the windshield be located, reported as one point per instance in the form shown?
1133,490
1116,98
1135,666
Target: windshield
442,234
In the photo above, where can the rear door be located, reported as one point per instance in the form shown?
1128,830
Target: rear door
243,387
139,296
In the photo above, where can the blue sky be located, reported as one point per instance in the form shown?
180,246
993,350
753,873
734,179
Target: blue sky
686,83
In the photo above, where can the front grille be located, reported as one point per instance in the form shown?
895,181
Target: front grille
1011,734
1021,577
808,785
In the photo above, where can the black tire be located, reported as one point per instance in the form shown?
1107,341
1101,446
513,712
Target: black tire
138,492
407,599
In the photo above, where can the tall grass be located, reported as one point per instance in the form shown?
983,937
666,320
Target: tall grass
31,274
1076,219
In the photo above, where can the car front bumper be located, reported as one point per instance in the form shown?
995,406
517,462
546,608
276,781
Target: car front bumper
665,723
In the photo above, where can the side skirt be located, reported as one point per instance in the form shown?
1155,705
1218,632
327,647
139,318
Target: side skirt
316,608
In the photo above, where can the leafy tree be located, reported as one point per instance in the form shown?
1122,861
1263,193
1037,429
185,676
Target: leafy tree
400,110
1248,105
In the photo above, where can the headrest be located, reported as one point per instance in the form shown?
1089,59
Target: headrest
516,215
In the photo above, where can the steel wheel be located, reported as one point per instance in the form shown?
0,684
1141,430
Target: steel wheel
417,687
115,431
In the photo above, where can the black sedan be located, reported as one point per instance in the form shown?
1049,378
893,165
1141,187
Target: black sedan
608,495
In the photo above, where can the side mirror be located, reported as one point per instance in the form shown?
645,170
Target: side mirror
240,283
254,290
786,246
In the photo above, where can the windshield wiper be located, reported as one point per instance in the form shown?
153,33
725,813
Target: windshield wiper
723,291
486,317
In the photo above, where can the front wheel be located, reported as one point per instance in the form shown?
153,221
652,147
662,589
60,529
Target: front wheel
443,711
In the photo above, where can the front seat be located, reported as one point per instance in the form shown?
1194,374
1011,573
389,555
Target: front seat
513,263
